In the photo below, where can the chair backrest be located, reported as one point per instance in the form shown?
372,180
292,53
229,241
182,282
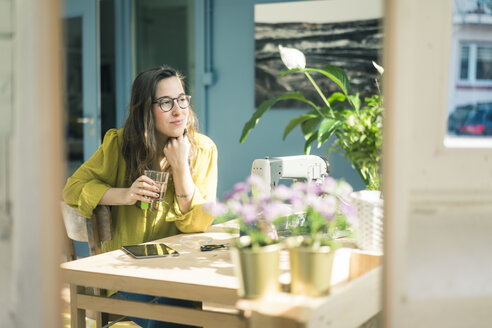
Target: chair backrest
93,231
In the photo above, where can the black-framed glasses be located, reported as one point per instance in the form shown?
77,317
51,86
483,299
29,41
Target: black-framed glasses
167,103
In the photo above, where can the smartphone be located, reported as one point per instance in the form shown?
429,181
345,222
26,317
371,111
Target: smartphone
150,250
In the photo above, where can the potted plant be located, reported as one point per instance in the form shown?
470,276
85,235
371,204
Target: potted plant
356,125
329,216
255,253
326,214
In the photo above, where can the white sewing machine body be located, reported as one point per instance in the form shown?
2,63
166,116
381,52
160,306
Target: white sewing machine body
297,168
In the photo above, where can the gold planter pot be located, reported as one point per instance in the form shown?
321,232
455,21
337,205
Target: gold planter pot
257,270
311,270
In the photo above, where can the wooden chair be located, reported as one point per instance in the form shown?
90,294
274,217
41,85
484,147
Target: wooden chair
93,231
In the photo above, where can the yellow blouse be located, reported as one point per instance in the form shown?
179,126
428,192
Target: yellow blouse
130,224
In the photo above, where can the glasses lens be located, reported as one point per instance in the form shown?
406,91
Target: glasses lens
166,104
184,101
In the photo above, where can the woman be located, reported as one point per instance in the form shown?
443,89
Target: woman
159,134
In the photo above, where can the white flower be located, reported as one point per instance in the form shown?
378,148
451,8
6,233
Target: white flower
379,68
292,58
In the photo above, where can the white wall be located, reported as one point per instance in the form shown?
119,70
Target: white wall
6,112
30,164
438,199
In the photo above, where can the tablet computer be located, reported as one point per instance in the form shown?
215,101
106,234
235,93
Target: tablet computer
150,250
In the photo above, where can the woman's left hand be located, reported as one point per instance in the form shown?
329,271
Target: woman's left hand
176,151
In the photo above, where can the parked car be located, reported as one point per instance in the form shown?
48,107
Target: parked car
479,122
458,117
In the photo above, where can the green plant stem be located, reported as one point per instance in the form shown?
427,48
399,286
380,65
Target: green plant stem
377,84
339,136
321,95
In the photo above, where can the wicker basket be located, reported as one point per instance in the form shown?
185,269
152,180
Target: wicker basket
370,216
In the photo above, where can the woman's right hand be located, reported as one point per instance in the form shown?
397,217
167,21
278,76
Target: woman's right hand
141,187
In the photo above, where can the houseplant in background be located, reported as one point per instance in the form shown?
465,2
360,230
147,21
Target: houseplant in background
324,210
357,126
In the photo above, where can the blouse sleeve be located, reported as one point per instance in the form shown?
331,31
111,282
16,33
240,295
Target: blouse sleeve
85,188
205,178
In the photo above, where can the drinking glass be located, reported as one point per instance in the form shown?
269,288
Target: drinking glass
160,179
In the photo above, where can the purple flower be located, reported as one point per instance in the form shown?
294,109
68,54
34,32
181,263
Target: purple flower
252,202
329,185
215,209
258,185
327,207
228,195
313,201
234,206
240,190
233,195
349,211
263,197
313,188
256,180
300,187
283,192
249,212
241,187
298,204
274,210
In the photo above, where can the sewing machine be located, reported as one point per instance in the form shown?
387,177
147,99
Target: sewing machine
297,168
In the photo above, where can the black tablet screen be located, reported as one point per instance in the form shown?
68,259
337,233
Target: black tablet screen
150,250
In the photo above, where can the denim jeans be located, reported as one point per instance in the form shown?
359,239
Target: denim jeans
147,323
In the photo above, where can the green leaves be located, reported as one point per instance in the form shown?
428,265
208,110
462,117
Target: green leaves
356,124
265,106
308,128
334,73
309,142
326,129
296,121
361,139
355,101
337,75
309,122
336,96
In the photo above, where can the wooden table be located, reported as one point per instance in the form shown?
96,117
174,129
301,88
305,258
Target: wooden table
355,298
206,277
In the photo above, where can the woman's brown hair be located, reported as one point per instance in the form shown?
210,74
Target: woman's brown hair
139,138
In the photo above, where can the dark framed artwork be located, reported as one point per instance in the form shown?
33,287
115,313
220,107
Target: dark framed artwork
341,38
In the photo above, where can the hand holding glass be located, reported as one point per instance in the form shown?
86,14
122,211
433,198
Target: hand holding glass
160,179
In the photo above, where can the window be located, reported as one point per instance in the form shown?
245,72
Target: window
475,63
484,63
489,116
465,58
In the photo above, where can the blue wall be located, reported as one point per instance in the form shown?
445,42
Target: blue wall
231,103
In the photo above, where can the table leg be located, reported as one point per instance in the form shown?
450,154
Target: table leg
101,318
77,316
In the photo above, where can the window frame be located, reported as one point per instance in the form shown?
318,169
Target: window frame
471,79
